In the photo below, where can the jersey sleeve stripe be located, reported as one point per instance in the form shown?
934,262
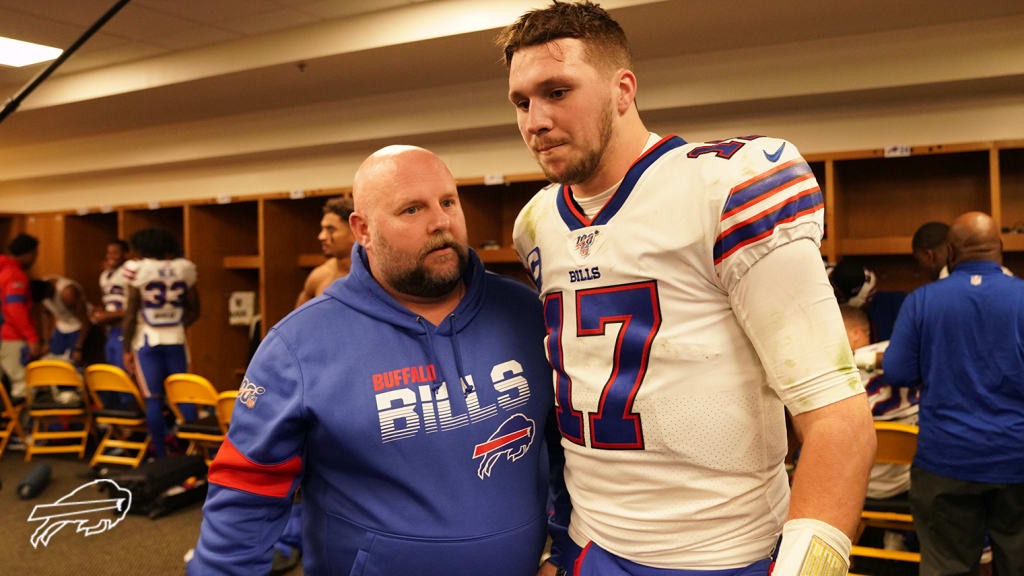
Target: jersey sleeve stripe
233,470
766,194
763,183
762,225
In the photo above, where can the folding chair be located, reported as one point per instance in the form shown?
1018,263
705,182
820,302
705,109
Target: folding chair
205,432
897,443
43,375
10,416
225,407
121,422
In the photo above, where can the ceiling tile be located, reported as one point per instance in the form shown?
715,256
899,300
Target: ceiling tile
140,23
196,36
80,12
269,21
209,12
342,8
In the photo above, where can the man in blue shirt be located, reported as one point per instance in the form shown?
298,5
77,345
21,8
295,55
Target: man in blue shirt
961,337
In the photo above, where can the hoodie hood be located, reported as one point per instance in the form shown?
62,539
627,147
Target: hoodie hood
361,291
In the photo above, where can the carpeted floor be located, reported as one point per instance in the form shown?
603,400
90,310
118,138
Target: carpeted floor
136,545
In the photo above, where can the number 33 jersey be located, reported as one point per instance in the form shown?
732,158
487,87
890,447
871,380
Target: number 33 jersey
674,440
163,286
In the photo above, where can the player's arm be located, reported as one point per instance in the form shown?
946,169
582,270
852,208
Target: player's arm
257,468
788,310
17,314
902,362
133,299
191,306
559,505
75,302
309,287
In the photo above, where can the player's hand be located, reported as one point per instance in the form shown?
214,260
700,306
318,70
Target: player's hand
129,363
76,356
98,316
35,350
547,569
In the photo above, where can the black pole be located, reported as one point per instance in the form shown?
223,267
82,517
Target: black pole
13,103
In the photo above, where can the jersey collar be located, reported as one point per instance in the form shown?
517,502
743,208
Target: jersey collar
573,215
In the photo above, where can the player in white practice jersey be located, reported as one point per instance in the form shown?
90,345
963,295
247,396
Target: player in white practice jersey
685,303
162,302
114,287
66,318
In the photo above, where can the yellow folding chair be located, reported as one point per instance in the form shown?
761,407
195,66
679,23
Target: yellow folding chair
225,408
205,432
121,422
10,416
43,375
897,444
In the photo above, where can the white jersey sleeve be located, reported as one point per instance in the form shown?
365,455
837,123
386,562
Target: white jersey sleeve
772,199
114,288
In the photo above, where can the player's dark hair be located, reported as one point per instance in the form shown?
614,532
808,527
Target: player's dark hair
930,236
22,244
604,41
156,243
848,276
341,206
121,244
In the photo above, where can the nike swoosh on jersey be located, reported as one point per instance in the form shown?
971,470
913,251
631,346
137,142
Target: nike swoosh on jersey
774,157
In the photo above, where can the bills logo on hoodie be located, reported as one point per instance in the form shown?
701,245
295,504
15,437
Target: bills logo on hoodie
511,440
410,411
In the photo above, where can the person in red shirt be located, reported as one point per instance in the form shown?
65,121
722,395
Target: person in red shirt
19,341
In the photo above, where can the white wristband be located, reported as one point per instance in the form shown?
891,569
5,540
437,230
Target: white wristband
865,359
812,548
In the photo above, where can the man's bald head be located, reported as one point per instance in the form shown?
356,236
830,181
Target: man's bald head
974,236
388,167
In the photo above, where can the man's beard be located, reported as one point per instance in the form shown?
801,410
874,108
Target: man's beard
582,169
414,278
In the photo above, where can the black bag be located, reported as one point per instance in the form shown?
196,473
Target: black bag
158,487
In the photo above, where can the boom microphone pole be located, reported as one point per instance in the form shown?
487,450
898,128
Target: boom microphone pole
13,103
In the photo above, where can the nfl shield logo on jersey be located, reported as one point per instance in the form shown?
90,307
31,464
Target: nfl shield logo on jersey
248,392
585,242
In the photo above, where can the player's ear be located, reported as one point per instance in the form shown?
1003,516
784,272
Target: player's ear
360,228
625,90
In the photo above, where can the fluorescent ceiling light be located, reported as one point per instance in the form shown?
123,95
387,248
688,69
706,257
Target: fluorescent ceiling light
17,53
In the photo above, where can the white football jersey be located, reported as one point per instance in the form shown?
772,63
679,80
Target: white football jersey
674,438
114,288
64,319
892,405
163,285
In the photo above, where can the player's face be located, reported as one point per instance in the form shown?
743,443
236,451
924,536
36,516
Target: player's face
564,107
418,235
335,236
114,257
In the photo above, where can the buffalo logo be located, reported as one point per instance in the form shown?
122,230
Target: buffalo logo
248,392
512,440
77,508
585,242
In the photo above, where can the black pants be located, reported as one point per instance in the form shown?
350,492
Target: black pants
952,518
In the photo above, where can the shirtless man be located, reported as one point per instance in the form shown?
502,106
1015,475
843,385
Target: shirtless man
336,242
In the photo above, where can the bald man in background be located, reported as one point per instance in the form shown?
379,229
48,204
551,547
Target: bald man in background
961,338
420,445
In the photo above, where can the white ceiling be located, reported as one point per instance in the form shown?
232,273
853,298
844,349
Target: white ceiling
169,61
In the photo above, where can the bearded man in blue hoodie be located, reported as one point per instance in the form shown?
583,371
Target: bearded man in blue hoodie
420,442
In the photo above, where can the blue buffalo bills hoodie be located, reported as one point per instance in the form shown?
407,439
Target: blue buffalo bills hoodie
420,449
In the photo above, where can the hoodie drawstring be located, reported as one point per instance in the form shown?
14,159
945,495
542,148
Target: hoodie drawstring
432,357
